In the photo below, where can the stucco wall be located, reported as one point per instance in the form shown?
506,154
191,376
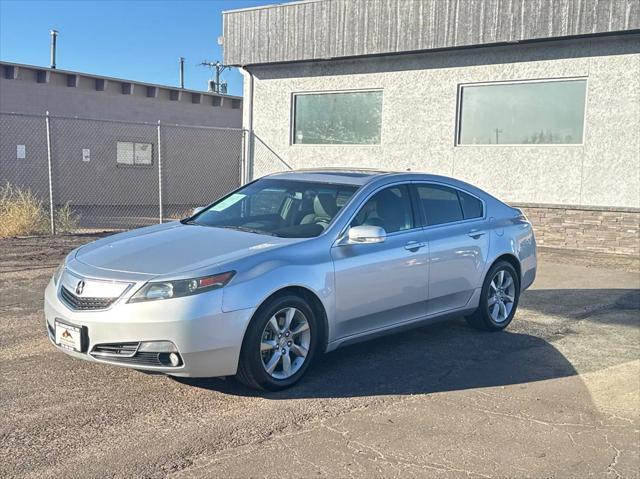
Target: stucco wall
419,117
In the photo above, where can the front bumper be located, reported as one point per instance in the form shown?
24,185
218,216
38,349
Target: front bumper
207,339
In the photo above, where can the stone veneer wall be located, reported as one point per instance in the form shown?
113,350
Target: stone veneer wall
606,230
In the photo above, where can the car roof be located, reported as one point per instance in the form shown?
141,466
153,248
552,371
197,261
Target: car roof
348,176
360,177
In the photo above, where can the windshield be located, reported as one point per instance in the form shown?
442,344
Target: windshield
286,208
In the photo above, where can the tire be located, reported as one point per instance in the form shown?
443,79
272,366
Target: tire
491,297
287,342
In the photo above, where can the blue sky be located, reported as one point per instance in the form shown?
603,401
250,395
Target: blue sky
132,39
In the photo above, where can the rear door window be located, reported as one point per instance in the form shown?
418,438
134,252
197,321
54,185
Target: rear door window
440,204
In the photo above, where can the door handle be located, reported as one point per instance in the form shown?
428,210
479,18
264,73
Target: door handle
475,234
414,245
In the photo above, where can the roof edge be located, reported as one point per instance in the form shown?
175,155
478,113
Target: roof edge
619,33
123,80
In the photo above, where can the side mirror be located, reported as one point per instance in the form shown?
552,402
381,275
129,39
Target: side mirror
366,234
197,210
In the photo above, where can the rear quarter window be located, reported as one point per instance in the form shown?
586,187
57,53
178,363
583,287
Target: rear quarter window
471,206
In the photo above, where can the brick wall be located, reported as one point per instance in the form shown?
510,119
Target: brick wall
607,230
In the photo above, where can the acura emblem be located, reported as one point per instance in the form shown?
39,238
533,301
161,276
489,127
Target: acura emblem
79,287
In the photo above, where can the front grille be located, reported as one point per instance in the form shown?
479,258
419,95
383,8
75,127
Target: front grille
78,302
141,359
115,349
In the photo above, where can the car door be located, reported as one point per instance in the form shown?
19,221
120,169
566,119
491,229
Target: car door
457,233
381,284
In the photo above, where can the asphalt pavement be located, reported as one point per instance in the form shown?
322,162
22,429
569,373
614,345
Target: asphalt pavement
555,395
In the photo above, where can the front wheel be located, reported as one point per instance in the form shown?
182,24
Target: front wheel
498,298
279,344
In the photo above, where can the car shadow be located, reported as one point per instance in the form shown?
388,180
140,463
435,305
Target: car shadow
441,357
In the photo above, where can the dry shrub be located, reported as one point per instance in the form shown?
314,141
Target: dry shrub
22,214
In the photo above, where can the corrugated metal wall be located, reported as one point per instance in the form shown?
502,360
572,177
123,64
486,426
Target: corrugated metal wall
342,28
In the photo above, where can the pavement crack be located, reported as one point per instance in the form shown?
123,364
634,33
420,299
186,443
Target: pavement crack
611,468
396,462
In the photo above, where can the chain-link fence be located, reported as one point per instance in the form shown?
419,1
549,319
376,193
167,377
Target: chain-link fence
88,174
264,159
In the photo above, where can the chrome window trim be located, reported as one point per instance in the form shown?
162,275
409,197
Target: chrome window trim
417,183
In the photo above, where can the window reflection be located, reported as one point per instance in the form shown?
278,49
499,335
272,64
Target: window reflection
348,118
549,112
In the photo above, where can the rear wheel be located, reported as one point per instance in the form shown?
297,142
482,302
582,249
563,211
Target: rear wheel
498,298
279,344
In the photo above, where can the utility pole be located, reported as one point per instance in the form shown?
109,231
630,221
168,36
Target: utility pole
497,135
218,87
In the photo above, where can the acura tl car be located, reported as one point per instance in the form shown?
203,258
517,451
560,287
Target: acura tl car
287,267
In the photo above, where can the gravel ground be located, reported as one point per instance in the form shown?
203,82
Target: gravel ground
556,395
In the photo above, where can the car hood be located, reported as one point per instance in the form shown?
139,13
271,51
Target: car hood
174,248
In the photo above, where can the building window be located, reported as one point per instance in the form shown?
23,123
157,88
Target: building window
134,154
343,118
522,113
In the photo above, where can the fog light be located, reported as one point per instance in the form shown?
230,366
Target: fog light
157,347
174,359
170,359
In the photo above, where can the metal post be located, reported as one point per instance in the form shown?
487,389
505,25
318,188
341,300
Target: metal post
181,60
241,172
51,207
54,37
159,175
250,155
217,77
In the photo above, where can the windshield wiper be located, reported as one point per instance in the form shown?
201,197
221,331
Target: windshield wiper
249,230
187,221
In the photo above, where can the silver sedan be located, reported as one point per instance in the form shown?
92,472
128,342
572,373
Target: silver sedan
292,265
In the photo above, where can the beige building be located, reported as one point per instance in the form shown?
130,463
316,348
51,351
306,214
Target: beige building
536,102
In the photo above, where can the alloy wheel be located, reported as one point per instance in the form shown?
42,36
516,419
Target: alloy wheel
285,343
502,291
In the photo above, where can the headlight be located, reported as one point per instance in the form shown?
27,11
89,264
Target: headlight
184,287
57,273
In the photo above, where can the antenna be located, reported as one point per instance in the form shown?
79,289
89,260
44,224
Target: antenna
54,37
215,85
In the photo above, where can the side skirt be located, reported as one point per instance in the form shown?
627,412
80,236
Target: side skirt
396,328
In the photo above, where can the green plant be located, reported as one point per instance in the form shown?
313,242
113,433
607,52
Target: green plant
65,219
